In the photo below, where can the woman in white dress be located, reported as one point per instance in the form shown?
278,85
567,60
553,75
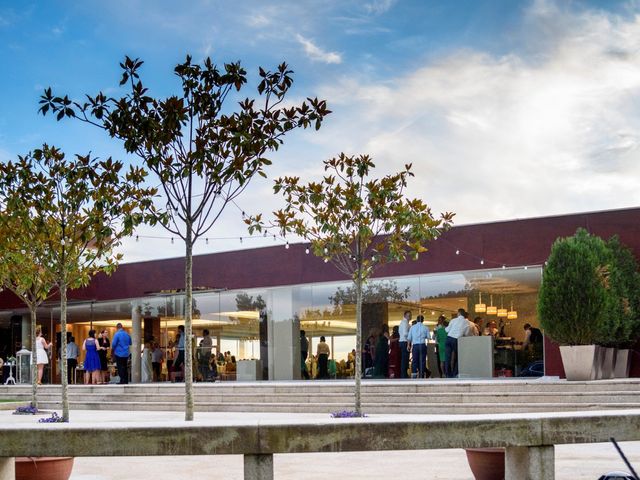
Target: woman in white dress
147,369
42,358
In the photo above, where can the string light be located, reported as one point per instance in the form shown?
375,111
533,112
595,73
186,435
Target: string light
137,238
240,239
482,261
206,240
286,246
306,250
172,240
457,252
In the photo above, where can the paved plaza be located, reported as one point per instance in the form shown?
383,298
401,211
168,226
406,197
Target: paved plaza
585,461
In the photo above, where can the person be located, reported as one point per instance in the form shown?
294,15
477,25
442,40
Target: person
477,326
368,352
72,359
304,353
156,361
120,349
416,341
179,361
532,344
403,331
381,361
458,327
472,331
104,344
146,369
42,358
204,355
394,353
91,359
491,329
441,342
323,352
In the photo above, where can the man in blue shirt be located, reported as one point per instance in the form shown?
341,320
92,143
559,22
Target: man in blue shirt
417,337
120,349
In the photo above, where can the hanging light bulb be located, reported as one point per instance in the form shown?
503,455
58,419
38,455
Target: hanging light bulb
287,246
172,240
482,262
306,250
491,309
326,260
137,238
502,312
480,307
512,314
240,239
206,240
457,252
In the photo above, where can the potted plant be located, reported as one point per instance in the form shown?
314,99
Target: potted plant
621,324
573,298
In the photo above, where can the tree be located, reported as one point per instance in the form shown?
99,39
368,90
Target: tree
203,155
81,209
355,223
22,252
573,294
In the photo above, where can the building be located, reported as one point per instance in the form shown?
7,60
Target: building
255,302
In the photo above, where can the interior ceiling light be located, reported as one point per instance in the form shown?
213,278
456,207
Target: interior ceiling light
480,307
512,314
491,309
502,312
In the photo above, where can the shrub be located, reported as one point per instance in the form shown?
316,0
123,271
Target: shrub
573,295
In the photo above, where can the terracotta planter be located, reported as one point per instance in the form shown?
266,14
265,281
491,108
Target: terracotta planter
623,363
43,468
486,463
579,362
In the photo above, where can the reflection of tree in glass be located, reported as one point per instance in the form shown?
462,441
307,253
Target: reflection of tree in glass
386,291
245,302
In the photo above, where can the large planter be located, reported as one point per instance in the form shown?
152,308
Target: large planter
608,362
623,363
43,468
579,362
486,463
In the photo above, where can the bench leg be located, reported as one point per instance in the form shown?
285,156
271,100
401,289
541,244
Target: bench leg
7,468
257,467
529,463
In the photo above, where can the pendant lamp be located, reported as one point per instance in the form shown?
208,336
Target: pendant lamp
512,314
480,307
502,312
491,310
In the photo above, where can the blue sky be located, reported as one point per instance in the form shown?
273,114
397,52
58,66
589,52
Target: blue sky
507,109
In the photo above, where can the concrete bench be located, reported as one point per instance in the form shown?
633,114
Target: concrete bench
529,439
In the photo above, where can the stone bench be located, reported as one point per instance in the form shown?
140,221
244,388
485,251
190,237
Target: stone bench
529,439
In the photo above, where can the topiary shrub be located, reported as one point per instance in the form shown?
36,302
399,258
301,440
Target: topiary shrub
620,325
573,296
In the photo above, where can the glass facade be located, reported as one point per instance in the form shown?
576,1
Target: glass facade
263,325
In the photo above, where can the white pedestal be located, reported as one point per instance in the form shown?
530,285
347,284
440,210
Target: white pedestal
248,370
475,357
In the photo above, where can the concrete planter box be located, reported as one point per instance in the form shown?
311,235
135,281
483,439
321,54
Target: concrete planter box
580,362
623,363
608,362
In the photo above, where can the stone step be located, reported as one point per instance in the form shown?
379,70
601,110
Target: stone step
389,397
371,408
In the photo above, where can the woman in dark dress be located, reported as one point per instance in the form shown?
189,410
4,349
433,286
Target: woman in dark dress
381,362
103,342
394,353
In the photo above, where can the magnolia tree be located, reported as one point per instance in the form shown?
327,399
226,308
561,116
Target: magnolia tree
78,210
23,250
356,223
203,152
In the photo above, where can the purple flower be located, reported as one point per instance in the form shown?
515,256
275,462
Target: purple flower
54,418
26,410
347,414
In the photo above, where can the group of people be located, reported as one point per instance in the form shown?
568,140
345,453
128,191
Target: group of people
95,361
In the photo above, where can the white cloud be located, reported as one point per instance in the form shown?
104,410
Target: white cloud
378,7
494,137
316,53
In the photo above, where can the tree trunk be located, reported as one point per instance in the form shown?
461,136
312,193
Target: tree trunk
358,372
63,351
188,310
34,358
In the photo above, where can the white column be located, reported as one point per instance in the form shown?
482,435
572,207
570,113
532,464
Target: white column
8,468
284,336
530,463
26,332
136,336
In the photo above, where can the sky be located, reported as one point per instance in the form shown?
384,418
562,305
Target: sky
506,109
